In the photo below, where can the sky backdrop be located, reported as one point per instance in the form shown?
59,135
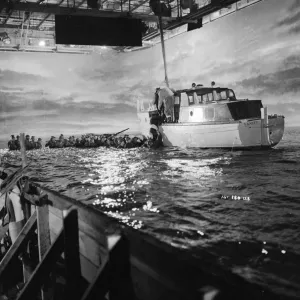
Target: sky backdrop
255,51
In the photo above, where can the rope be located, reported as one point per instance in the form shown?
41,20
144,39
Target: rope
163,50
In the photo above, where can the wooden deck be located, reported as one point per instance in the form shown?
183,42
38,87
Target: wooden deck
100,257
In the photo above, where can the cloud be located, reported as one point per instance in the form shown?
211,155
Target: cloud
289,111
28,115
45,105
291,61
295,29
295,6
8,103
18,77
290,20
11,90
280,82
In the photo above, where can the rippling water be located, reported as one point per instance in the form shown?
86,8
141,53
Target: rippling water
176,195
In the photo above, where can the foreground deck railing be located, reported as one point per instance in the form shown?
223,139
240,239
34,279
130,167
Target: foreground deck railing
100,257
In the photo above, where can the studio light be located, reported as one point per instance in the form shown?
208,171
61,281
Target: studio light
42,43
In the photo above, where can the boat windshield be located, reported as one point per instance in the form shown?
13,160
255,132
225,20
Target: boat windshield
207,95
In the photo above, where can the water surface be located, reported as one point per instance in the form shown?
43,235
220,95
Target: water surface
176,195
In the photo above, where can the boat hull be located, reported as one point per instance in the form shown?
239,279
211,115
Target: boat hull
242,134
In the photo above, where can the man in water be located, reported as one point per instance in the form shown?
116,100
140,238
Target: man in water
51,143
33,143
39,143
61,142
27,142
12,143
155,135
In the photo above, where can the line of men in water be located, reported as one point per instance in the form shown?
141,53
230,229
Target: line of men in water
154,140
30,143
106,140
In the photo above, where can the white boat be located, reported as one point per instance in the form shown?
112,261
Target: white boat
212,117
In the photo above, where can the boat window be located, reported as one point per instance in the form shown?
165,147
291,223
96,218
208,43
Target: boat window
210,97
191,100
223,95
231,94
209,113
184,101
245,109
216,95
196,99
204,98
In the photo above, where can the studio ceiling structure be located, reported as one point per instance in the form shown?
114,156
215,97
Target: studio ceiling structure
30,26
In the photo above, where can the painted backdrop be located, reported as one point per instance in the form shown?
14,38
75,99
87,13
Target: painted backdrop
255,51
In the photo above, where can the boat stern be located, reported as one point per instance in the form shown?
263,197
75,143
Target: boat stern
276,129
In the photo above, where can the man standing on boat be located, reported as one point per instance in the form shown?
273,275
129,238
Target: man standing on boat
18,144
156,97
27,142
166,100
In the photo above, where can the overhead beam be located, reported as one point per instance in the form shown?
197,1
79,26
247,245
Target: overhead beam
9,15
200,13
139,5
26,19
44,49
47,16
57,10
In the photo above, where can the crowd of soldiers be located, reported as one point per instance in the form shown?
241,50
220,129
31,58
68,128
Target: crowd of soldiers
103,140
91,141
30,143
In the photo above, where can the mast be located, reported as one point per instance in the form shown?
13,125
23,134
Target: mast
163,49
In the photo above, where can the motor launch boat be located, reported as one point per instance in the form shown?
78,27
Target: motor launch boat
211,117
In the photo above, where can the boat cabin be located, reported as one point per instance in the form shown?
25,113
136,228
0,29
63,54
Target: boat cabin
209,104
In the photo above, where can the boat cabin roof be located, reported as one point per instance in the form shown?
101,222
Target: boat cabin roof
202,90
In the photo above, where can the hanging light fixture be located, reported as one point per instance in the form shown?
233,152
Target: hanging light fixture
42,43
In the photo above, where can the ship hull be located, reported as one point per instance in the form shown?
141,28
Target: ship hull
243,134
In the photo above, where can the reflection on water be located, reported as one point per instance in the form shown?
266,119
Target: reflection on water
176,195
